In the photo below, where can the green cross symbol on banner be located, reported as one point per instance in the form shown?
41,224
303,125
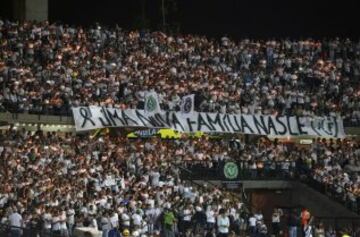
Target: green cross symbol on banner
231,170
151,104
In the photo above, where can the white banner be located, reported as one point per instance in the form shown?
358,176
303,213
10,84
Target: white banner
93,117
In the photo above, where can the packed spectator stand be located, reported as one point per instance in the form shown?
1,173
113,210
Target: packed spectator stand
52,183
57,182
48,68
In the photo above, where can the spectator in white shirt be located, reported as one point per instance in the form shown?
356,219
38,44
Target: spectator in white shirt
114,220
63,227
187,215
275,219
259,216
56,223
137,219
16,223
125,218
155,176
47,218
252,225
210,218
71,220
93,221
105,224
223,224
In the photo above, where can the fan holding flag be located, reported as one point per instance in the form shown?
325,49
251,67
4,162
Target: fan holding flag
187,104
152,104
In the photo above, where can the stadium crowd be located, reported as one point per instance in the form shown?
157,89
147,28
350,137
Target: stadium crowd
47,68
53,183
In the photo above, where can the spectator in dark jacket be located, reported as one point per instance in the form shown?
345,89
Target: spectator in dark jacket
199,218
293,224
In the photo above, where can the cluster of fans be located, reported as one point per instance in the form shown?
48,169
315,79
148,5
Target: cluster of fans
47,68
53,183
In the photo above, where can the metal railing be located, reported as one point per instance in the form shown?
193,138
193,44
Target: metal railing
35,118
8,106
213,170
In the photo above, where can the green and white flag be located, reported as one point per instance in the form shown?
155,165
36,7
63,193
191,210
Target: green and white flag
152,104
